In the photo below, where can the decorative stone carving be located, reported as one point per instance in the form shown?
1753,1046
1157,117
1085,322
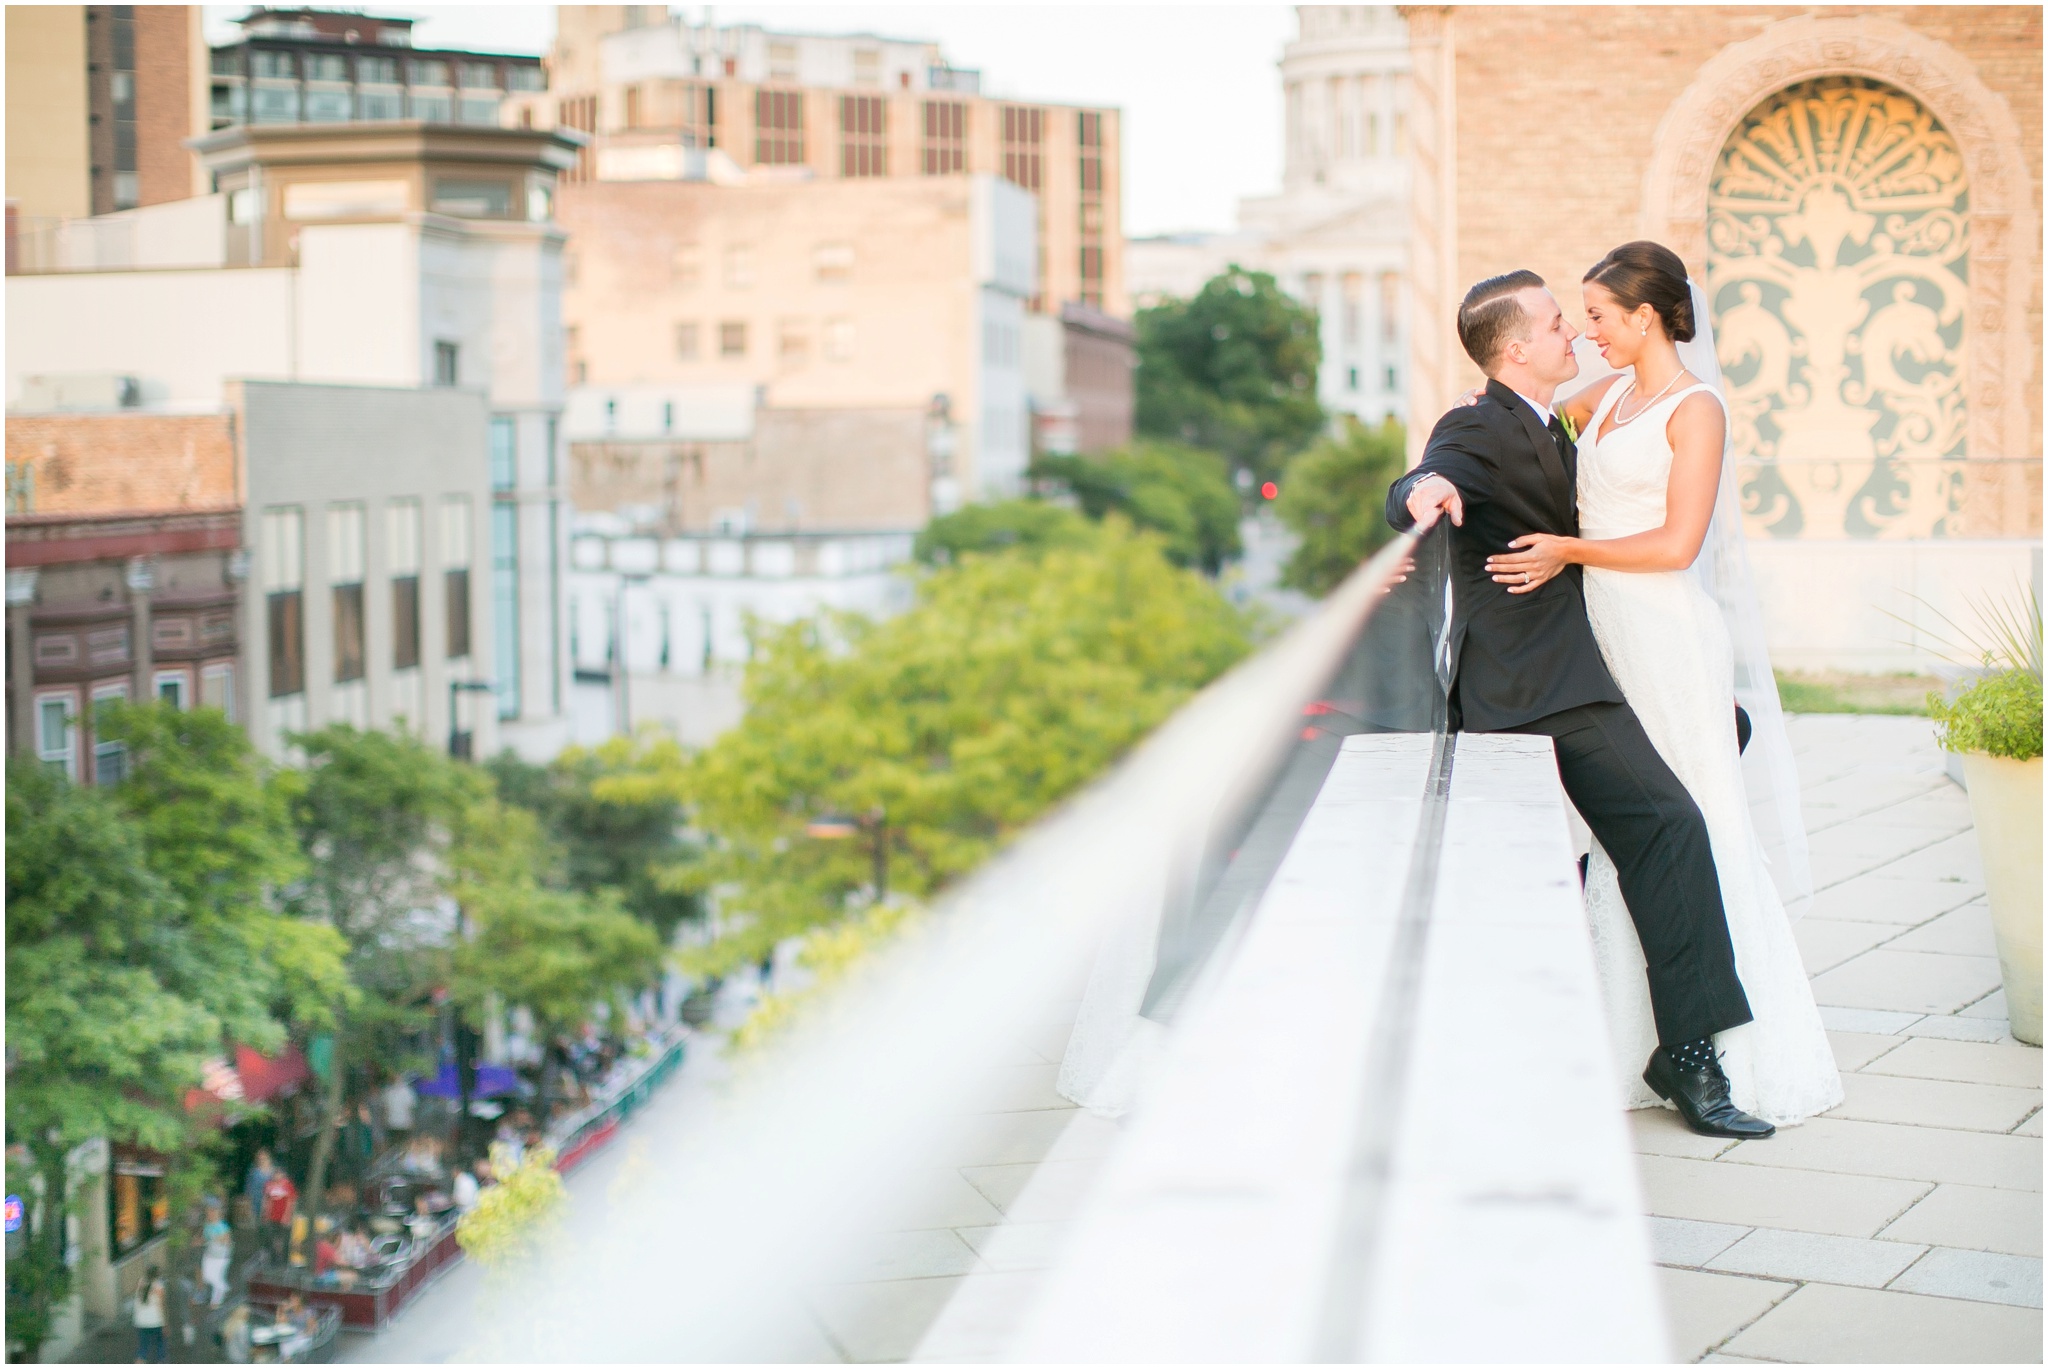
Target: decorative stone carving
1699,122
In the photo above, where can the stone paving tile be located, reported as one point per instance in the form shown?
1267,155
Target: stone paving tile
943,1198
1934,1102
1959,1028
1886,1150
1017,1245
878,1323
1825,942
1048,1192
1902,902
2030,1127
1028,1088
1867,1021
911,1255
1887,842
1854,1050
1003,1138
1756,1195
1826,1323
1970,1218
1674,1240
1945,809
2014,1280
1907,980
1807,1256
1965,931
1952,861
1991,1006
1658,1131
1974,1062
977,1323
1706,1309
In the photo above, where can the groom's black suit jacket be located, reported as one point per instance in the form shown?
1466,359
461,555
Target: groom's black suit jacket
1519,657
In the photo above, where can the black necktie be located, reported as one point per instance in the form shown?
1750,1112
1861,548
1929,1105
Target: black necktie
1557,434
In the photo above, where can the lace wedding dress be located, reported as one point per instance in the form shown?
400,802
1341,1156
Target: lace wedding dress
1666,642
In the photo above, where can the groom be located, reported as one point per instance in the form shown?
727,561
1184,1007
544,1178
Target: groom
1528,663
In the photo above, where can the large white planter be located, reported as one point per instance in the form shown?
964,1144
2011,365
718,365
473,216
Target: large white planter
2005,802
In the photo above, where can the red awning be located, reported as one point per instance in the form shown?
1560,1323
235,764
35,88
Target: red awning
254,1078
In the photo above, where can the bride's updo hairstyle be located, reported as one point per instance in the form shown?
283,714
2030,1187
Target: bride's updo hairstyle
1639,273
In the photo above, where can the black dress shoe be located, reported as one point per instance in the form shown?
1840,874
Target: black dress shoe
1702,1098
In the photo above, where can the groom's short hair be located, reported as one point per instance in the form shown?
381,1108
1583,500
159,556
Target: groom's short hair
1491,315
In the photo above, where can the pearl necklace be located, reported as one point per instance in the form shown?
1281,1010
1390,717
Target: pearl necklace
1621,422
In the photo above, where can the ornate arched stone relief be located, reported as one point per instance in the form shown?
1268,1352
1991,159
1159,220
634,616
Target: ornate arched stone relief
2003,227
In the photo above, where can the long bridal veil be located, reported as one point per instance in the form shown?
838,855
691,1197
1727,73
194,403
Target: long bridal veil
1771,774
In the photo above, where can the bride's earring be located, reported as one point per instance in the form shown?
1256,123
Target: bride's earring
1646,330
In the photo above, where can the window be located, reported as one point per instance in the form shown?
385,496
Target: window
274,65
553,437
402,552
284,570
686,342
109,759
455,571
782,61
945,137
345,556
1351,380
838,339
274,105
505,603
1354,309
732,339
328,107
529,78
446,357
867,67
793,341
479,75
217,689
1393,379
863,142
322,66
779,127
555,598
374,107
684,270
632,106
1090,135
1390,306
833,262
377,71
227,61
473,199
1023,146
171,688
739,267
427,72
433,109
56,746
480,110
504,453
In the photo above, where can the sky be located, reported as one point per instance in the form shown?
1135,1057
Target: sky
1199,85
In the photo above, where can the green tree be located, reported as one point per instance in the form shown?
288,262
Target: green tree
1000,525
1182,493
1334,498
1232,370
374,812
140,931
940,732
610,821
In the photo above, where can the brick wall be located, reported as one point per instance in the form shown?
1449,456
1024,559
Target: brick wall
118,463
1557,109
164,35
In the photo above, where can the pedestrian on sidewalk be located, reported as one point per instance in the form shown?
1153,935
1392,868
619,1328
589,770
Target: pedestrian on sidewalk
399,1104
280,1199
217,1255
259,1175
150,1347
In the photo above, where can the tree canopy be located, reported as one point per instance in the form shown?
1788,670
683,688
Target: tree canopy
1232,370
936,734
1182,493
1334,498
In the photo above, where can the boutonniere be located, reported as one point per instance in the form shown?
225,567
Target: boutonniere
1571,429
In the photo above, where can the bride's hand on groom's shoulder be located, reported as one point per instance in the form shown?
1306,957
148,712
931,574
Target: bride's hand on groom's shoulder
1468,399
1537,558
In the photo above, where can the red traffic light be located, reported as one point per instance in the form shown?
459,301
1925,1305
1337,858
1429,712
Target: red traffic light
1270,490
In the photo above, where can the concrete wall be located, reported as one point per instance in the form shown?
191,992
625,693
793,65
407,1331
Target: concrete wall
48,165
316,445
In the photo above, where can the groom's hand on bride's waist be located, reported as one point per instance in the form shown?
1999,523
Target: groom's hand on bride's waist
1432,497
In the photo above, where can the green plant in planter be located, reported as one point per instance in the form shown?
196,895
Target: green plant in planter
1998,714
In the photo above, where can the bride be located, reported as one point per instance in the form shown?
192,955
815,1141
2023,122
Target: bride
1660,540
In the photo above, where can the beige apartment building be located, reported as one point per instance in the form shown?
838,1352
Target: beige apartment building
660,95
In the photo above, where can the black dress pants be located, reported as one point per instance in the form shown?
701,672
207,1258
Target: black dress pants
1648,823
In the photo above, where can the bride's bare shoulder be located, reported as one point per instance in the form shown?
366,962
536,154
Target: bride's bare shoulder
1579,408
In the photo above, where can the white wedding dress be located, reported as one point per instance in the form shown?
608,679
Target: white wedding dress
1666,642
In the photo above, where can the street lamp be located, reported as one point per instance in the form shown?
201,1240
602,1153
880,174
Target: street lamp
461,744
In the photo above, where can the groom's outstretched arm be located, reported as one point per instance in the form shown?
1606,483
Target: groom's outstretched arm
1458,451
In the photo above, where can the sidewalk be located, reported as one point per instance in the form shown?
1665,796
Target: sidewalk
1905,1225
